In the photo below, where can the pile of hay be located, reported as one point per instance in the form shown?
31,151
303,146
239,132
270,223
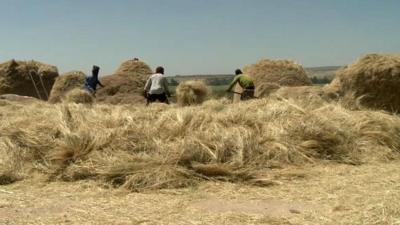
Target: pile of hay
15,78
66,83
374,79
191,93
126,85
278,72
141,148
79,96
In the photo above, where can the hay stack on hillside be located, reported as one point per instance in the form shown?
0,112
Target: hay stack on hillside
66,83
280,72
191,93
15,78
126,85
374,79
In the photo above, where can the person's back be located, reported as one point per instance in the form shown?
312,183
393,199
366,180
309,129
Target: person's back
92,81
245,82
156,87
157,84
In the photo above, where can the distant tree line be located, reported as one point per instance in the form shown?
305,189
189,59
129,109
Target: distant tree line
320,80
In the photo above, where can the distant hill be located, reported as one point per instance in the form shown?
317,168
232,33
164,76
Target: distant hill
326,73
322,72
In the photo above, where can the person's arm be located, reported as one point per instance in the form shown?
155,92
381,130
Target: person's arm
98,82
165,86
148,85
235,80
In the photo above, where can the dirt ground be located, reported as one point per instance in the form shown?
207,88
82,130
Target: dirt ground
322,194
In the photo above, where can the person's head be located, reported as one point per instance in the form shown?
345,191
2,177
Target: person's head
95,70
238,72
160,69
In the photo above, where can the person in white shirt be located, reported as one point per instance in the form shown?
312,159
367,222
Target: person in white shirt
156,88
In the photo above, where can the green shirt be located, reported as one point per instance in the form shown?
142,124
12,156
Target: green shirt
244,81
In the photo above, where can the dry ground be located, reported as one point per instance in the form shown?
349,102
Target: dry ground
324,194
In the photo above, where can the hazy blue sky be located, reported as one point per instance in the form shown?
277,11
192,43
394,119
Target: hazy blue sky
196,36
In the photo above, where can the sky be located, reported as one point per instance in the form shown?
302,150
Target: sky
196,36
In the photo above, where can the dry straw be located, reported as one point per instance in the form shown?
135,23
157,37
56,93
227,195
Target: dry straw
277,72
66,83
374,79
141,148
27,78
125,86
192,93
79,96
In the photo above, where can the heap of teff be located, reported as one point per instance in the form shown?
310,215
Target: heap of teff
374,79
192,92
271,73
126,85
27,78
65,83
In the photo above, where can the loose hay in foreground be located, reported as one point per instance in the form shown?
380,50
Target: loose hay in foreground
143,148
79,96
192,93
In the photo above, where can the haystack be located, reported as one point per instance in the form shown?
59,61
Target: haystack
66,83
126,85
280,72
79,96
191,93
373,79
15,78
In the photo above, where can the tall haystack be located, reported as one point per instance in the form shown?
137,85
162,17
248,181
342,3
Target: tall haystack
65,83
279,72
373,79
126,85
191,93
27,78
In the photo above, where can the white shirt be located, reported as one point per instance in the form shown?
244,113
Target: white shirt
157,84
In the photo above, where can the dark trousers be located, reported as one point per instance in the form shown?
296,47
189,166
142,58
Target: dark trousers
157,97
247,94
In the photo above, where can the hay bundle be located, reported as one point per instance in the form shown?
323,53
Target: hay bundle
18,98
374,79
126,85
79,96
66,83
281,72
15,78
191,93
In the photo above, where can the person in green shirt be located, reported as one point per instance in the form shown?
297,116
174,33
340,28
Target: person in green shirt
245,82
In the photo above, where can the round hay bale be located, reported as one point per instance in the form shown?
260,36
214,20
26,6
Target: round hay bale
276,72
373,79
79,96
191,93
66,83
126,85
15,78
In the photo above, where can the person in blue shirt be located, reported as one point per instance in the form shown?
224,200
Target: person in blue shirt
92,81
